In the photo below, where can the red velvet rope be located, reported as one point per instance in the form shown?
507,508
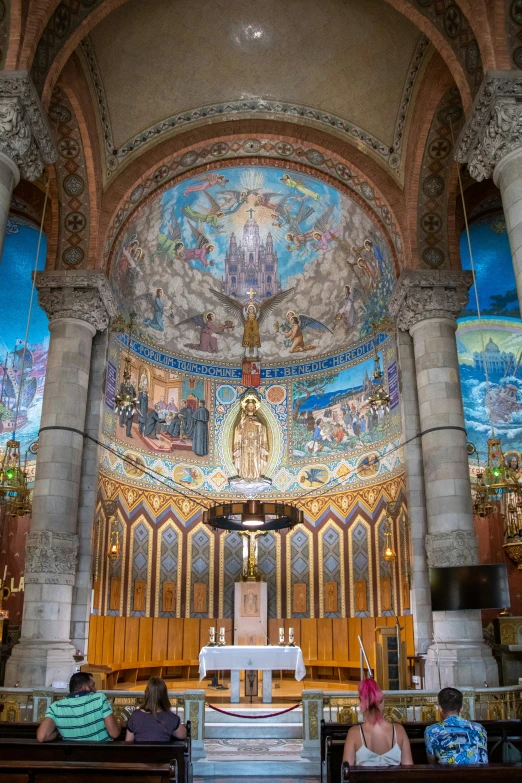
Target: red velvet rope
254,717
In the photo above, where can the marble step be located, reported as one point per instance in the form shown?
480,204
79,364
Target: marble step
279,769
295,716
254,729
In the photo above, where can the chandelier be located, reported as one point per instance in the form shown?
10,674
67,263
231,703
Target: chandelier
125,400
388,552
15,494
253,514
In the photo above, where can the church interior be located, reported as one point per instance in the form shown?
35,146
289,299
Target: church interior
260,365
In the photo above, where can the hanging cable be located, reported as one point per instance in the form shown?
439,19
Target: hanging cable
30,309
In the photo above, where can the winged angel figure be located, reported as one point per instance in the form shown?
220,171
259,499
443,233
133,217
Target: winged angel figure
294,329
252,316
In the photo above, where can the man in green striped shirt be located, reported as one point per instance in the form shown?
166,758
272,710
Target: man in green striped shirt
82,715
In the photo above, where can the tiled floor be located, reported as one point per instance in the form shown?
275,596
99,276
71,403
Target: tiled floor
252,749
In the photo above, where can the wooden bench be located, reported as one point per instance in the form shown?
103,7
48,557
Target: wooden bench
313,664
485,773
164,755
110,674
86,772
333,736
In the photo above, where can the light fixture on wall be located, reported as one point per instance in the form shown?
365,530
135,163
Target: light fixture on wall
110,506
388,553
15,494
379,398
125,401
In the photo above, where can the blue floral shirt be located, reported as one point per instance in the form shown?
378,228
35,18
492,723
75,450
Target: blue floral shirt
457,741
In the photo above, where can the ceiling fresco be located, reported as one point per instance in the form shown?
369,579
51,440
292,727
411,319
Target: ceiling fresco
310,260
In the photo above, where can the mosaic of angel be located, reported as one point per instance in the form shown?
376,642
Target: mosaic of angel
191,256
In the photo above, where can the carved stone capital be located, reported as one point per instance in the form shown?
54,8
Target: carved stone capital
494,126
25,135
50,558
433,293
458,548
78,294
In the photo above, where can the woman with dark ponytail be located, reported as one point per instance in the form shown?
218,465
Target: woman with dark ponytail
375,742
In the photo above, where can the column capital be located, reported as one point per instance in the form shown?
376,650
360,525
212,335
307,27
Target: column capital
455,548
50,558
25,135
493,128
432,293
84,295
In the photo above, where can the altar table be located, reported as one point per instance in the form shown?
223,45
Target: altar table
244,658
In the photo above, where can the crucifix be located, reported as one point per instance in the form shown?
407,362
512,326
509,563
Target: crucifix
251,294
251,211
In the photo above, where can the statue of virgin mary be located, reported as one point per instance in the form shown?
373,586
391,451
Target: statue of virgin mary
250,449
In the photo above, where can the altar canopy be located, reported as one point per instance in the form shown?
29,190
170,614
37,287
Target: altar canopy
263,658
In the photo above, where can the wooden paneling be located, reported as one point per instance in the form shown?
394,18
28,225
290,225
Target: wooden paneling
175,639
273,629
119,640
160,630
324,640
168,599
131,638
309,639
145,639
331,602
361,595
93,630
299,604
354,630
99,641
108,639
115,593
405,592
191,646
200,597
386,594
407,622
294,623
340,640
140,592
368,637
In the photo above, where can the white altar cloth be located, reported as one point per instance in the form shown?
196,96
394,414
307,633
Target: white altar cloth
241,658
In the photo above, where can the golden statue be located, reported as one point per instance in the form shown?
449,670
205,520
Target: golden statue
251,572
250,449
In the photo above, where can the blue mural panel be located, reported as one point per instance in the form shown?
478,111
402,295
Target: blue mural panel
21,376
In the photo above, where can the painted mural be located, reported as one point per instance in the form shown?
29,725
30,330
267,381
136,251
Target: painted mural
182,430
21,376
490,355
252,261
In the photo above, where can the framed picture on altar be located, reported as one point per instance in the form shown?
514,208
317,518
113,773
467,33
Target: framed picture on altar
250,600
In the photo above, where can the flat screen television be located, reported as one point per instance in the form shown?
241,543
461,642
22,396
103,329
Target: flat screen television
469,587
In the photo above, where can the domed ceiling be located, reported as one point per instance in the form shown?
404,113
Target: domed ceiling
311,258
317,270
349,58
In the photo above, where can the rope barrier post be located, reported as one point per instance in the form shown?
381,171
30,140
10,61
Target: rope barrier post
312,717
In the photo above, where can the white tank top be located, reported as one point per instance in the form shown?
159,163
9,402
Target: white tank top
364,757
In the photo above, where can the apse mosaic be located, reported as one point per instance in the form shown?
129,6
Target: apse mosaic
321,430
21,376
492,394
256,257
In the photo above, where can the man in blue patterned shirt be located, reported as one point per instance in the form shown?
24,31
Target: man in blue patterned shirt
455,740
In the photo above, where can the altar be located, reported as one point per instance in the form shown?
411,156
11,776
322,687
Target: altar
245,658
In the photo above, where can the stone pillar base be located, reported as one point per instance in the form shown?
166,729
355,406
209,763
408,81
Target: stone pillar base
461,665
37,664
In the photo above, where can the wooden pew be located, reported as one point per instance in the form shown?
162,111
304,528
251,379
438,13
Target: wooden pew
485,773
86,772
333,736
164,755
131,671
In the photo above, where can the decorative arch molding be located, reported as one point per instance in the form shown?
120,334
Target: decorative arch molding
443,22
359,520
169,524
303,530
130,567
261,149
200,527
331,525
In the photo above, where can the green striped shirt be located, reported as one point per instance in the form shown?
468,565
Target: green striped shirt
80,716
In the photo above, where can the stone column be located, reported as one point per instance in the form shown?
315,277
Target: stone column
491,144
77,304
427,303
420,583
25,138
82,590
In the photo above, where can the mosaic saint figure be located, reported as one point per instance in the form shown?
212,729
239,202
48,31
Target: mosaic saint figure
250,448
209,328
156,321
200,418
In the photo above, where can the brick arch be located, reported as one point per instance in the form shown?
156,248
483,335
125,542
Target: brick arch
83,19
117,205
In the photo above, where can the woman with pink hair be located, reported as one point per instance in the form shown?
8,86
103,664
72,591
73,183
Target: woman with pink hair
375,742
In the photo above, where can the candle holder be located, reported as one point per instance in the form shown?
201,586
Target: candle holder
222,641
282,637
291,641
212,637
